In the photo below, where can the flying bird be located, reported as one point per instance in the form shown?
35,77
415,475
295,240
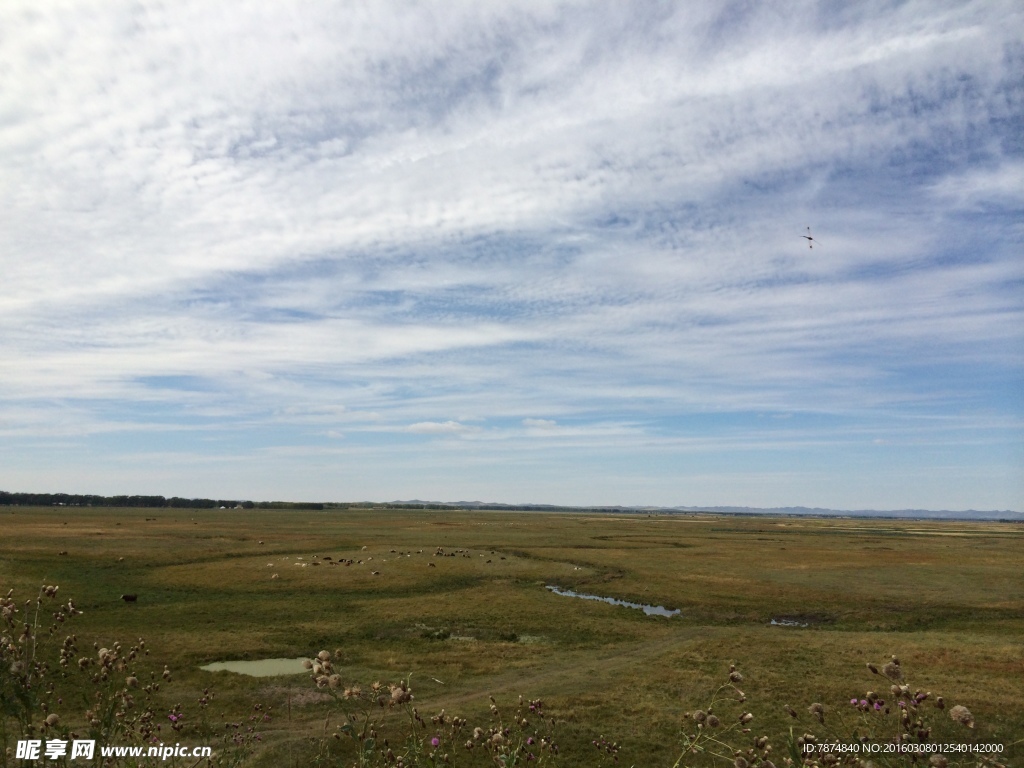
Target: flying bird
809,239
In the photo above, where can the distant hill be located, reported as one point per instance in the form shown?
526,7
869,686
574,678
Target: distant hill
79,500
923,514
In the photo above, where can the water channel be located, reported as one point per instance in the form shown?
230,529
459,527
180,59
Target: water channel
650,610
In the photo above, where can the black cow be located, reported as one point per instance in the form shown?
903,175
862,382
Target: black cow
130,598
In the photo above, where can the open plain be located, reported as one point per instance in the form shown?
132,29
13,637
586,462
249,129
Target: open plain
455,602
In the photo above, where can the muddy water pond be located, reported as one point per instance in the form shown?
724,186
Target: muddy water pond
650,610
261,668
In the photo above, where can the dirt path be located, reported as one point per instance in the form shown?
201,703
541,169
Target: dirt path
594,666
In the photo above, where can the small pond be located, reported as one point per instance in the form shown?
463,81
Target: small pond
788,623
261,668
650,610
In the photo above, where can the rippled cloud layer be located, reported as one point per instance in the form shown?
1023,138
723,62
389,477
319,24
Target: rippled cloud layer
520,252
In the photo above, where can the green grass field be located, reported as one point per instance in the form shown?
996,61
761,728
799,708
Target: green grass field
947,597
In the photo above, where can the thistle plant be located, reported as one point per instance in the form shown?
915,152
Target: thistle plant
902,726
893,726
41,680
526,737
522,738
240,739
714,730
363,713
27,690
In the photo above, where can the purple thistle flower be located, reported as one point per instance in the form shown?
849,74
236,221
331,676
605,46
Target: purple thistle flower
434,742
853,701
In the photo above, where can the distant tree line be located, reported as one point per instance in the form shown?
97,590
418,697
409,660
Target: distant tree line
91,500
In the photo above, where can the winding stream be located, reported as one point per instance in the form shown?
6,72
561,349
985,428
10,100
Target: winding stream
650,610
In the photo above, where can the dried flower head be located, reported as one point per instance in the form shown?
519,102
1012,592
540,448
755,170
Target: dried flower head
818,711
700,716
735,677
938,761
52,720
713,721
893,671
400,694
962,715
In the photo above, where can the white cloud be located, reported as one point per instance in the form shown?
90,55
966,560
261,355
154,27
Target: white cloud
544,424
440,428
969,189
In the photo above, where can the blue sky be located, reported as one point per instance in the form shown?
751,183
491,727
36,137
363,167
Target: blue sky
521,252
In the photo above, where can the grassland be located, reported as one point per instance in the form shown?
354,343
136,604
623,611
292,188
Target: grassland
948,597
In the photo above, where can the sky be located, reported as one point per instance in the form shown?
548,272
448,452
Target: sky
517,252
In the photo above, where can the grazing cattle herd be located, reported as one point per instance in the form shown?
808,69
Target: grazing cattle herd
327,560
